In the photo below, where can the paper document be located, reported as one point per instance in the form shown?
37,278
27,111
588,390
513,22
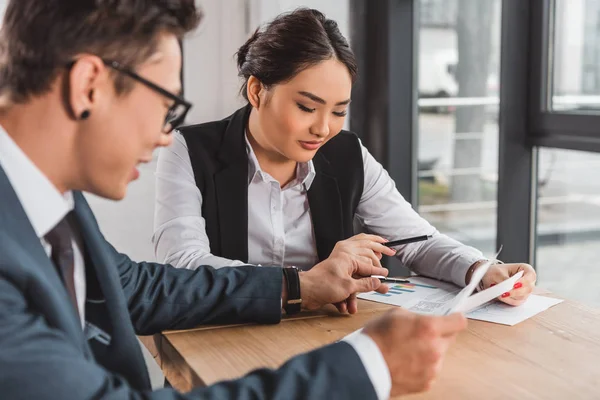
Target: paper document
505,314
489,294
419,290
459,304
428,296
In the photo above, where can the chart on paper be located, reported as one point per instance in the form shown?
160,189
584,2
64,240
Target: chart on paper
419,293
402,288
428,296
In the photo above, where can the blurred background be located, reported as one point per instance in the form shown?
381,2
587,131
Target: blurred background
454,114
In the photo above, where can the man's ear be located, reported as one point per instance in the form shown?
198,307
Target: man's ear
86,78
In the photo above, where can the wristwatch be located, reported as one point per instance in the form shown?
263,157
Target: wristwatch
294,299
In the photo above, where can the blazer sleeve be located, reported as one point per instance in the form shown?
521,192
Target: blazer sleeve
38,362
161,297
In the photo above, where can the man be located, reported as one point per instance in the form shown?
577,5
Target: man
84,89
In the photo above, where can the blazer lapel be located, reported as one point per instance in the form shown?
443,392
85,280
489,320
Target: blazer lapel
29,253
325,204
122,352
231,184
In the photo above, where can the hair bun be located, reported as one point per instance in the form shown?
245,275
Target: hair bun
242,52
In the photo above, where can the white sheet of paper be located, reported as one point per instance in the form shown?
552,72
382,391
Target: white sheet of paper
505,314
459,303
425,290
489,294
428,296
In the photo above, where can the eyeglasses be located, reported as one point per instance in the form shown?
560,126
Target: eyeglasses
176,113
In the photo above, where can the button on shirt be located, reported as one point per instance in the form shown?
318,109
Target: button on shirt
287,216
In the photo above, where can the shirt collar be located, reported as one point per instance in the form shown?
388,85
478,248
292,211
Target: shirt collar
44,205
305,172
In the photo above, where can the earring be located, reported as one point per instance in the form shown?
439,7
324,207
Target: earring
84,115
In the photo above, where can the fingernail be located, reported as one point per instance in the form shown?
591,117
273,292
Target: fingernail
493,284
518,285
505,294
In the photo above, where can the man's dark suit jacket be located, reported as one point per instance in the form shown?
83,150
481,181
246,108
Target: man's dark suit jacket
45,354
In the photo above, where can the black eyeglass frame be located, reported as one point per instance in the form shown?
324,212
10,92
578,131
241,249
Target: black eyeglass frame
178,100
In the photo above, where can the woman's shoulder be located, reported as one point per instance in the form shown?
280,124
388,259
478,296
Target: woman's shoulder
214,134
343,150
343,141
211,127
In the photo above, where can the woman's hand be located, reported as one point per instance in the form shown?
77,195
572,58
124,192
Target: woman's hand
522,288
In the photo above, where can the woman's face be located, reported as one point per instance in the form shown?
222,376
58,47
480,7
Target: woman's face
297,117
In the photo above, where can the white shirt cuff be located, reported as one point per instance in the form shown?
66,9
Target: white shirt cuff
373,361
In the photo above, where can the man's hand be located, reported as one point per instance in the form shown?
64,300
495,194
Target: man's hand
347,271
363,247
522,288
414,346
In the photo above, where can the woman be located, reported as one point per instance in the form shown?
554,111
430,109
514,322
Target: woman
280,183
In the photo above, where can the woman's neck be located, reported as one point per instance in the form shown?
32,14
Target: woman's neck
282,169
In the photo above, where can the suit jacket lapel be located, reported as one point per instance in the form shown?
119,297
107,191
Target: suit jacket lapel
325,204
231,184
122,353
30,254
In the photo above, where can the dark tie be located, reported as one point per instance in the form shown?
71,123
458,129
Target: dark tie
60,238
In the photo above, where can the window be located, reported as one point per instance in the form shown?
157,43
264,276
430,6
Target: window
576,55
568,232
458,118
438,13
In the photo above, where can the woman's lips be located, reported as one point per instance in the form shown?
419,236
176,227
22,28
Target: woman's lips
312,145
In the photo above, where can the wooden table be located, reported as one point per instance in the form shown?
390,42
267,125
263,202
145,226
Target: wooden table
554,355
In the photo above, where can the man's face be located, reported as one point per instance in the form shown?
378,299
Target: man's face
123,130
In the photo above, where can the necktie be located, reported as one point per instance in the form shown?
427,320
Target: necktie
60,238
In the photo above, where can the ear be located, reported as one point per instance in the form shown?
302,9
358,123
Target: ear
87,79
255,91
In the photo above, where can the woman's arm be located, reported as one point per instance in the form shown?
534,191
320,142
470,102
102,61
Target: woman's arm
384,212
179,229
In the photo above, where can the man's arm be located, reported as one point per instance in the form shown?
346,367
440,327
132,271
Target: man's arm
161,297
38,362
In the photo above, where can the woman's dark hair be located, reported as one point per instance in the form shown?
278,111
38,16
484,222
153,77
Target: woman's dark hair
291,43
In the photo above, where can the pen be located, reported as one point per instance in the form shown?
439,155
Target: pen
393,280
407,240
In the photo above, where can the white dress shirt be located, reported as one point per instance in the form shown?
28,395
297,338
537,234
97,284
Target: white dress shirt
43,204
280,230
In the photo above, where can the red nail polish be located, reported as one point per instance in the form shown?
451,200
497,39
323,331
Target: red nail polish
505,294
493,284
518,285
